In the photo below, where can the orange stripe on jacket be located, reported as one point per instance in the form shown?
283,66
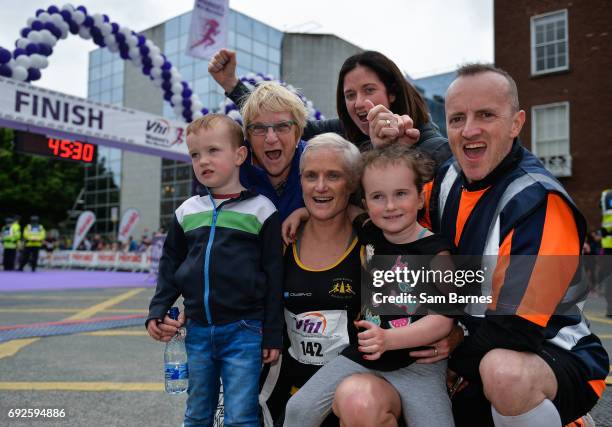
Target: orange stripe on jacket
466,205
425,220
503,261
598,386
554,268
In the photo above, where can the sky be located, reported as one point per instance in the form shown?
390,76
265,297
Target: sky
423,37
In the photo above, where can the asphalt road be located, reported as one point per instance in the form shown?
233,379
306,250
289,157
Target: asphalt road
114,377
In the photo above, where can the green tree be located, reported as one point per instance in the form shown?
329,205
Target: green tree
33,185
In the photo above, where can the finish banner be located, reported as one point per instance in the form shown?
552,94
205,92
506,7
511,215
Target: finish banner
209,28
84,223
58,115
128,222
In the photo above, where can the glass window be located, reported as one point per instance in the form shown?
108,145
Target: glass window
274,55
93,87
95,73
185,22
118,66
117,96
549,50
183,172
550,137
243,42
200,70
172,46
117,80
94,58
187,73
244,59
173,58
106,83
244,25
183,41
231,39
172,28
260,32
259,65
275,37
260,49
274,70
107,69
105,97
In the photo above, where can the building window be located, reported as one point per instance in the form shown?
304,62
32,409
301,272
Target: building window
550,137
549,43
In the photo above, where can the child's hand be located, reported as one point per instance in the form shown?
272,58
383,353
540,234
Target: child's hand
292,223
270,355
371,341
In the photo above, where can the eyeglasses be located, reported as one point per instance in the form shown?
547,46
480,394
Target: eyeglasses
260,129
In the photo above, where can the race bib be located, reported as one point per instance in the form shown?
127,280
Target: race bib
317,336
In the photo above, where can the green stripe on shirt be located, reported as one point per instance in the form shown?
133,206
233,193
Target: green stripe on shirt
227,219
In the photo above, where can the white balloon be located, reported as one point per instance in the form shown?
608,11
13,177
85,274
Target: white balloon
175,79
157,61
134,53
48,37
234,114
35,37
156,72
197,114
156,82
113,47
97,18
20,73
177,88
30,20
22,43
44,63
78,17
43,17
177,99
154,50
197,106
178,109
84,33
106,29
64,28
36,60
68,7
23,61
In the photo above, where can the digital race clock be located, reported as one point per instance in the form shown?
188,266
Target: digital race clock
58,148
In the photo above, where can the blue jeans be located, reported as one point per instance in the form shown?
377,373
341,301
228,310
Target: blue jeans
233,353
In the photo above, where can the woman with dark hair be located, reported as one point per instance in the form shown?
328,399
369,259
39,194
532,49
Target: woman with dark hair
374,102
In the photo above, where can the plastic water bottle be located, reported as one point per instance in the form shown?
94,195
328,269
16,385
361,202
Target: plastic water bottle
175,360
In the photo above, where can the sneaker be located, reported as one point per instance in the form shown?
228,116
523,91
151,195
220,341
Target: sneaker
584,421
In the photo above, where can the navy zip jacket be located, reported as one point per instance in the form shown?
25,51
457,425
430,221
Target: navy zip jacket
226,261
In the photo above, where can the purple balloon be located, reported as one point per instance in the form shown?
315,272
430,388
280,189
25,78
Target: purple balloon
5,70
88,22
53,9
166,66
33,74
74,27
147,61
82,9
5,55
32,48
114,27
167,95
39,11
53,29
24,32
44,49
66,15
105,18
186,93
205,111
166,75
120,37
146,69
144,51
141,40
186,103
18,52
37,25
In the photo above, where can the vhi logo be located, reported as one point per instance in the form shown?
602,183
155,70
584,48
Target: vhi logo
311,323
160,126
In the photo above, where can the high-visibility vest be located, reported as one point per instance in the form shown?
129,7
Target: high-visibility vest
34,235
606,221
11,234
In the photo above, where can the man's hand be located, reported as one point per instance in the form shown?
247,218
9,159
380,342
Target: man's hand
371,341
164,331
441,349
222,68
386,127
270,355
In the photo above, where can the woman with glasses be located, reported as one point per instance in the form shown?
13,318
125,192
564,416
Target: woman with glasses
373,99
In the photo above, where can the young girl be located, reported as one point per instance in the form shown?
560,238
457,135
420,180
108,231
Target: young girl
393,178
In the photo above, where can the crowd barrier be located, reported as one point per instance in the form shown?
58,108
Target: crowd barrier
98,260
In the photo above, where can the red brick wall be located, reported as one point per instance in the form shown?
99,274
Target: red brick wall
587,86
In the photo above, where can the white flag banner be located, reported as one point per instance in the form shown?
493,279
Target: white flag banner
128,222
209,28
84,223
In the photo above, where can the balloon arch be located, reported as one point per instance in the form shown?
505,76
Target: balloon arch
48,26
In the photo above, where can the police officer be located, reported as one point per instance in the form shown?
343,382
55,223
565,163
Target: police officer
34,235
11,234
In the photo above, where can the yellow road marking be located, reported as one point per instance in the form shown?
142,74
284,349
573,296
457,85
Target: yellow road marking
82,386
10,348
604,336
609,380
69,310
594,318
54,297
89,312
116,333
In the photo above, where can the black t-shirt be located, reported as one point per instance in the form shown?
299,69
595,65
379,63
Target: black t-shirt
375,243
321,302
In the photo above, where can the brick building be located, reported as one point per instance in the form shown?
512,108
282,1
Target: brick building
560,54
